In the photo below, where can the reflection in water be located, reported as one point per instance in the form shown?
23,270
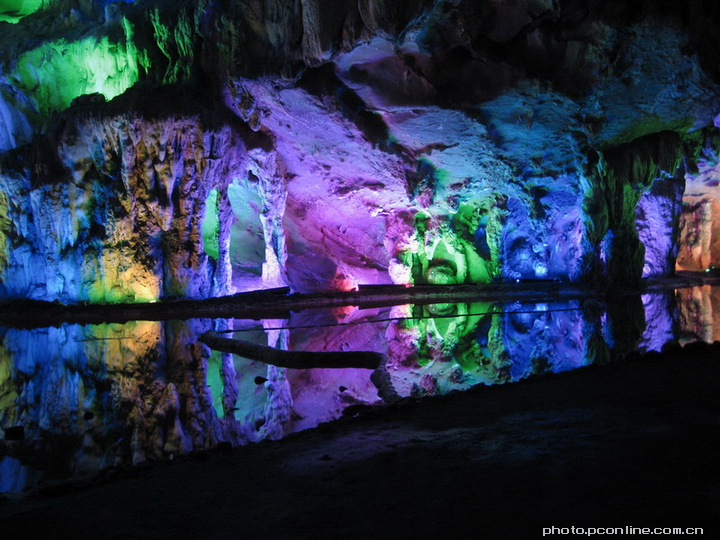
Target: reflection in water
78,399
699,314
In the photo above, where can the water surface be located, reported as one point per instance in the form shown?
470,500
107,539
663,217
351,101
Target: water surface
77,399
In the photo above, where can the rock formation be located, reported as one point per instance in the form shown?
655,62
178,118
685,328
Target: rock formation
157,149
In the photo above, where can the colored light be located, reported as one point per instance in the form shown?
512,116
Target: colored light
211,226
11,11
57,72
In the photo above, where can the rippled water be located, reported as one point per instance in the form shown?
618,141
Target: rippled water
81,398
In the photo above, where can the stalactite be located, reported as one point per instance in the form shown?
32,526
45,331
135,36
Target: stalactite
198,149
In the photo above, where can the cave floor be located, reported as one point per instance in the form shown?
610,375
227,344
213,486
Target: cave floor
633,443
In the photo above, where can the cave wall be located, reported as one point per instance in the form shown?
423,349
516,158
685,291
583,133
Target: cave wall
699,246
192,149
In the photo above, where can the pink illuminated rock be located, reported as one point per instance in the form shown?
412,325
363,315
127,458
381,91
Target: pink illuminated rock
197,150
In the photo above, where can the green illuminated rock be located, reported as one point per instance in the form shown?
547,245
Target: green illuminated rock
12,11
57,72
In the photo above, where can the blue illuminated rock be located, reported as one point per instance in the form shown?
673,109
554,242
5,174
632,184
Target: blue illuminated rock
195,150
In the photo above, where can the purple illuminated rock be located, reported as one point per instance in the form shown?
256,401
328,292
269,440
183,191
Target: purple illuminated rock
201,149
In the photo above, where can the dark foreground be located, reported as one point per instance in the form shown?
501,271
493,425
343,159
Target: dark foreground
635,443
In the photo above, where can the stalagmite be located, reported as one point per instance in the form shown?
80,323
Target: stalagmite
194,150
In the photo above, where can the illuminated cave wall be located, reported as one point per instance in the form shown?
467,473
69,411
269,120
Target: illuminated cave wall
699,221
168,149
11,11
